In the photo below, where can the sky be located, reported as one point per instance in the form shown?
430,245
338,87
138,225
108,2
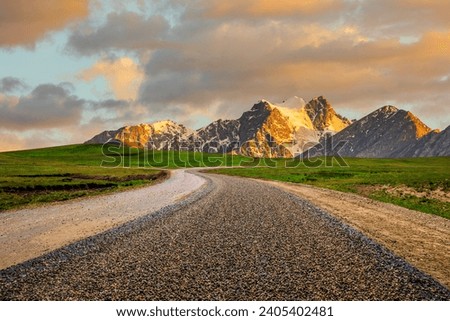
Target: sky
71,69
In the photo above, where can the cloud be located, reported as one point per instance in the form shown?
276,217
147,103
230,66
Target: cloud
16,140
125,30
11,141
11,84
111,104
221,66
47,106
23,22
258,8
122,74
388,18
238,63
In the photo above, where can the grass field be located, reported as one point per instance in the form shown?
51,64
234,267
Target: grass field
62,173
111,156
65,172
421,184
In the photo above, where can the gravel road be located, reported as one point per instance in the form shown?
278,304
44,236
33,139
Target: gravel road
29,233
237,239
420,238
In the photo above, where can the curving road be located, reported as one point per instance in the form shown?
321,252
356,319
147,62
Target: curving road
31,232
236,239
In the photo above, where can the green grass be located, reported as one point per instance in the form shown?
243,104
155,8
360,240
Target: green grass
114,156
362,175
62,173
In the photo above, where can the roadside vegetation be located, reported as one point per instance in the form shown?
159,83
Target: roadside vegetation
66,172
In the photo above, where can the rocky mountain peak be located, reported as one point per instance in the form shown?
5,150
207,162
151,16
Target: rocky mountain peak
294,102
165,124
158,135
322,101
386,132
382,113
421,128
262,105
323,116
398,116
385,111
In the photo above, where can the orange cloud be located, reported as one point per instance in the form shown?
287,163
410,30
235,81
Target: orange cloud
123,76
261,8
245,61
11,142
23,22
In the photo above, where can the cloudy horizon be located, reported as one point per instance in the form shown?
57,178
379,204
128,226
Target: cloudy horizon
71,69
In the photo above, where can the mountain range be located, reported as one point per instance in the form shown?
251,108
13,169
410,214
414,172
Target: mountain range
290,129
388,132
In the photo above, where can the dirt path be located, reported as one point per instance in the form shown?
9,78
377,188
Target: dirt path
421,239
29,233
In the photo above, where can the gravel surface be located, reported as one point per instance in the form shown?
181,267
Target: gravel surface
235,239
421,239
29,233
